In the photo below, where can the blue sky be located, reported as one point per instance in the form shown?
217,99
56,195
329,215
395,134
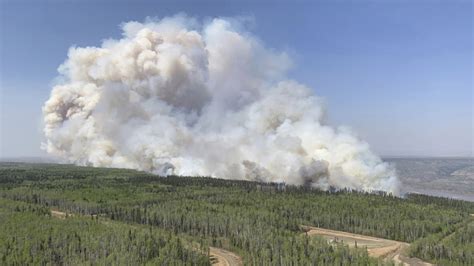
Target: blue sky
398,72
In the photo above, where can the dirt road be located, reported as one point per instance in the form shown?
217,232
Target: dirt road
377,247
59,214
222,257
219,257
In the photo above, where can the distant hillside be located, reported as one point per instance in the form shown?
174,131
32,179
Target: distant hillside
64,214
30,159
447,177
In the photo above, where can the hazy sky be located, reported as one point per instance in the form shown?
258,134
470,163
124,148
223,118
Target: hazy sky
399,72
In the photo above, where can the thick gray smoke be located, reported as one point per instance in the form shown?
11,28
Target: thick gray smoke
175,97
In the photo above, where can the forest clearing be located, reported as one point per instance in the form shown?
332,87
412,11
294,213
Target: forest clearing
64,214
218,256
231,133
376,247
222,257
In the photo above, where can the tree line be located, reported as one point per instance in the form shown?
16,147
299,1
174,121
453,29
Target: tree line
259,221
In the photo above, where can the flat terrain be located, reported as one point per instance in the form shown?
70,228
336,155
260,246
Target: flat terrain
58,214
376,247
222,257
218,256
64,214
444,177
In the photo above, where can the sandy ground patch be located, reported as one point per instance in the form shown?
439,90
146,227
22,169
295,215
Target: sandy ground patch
376,247
219,257
222,257
59,214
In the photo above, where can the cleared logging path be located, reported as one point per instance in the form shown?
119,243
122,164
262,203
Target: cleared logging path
218,256
59,214
222,257
376,247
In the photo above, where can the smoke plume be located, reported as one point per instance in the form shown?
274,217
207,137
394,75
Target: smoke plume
177,97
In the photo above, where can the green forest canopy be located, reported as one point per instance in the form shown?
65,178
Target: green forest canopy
124,216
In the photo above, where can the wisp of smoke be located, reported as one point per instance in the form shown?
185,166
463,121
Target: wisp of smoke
176,97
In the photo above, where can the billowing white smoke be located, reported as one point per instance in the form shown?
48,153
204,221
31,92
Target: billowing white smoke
173,97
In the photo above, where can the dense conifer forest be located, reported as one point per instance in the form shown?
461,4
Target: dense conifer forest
126,217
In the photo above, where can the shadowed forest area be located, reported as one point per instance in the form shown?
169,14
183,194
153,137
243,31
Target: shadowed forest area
119,216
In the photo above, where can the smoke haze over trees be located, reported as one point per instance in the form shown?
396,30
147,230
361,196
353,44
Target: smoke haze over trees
117,211
175,96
